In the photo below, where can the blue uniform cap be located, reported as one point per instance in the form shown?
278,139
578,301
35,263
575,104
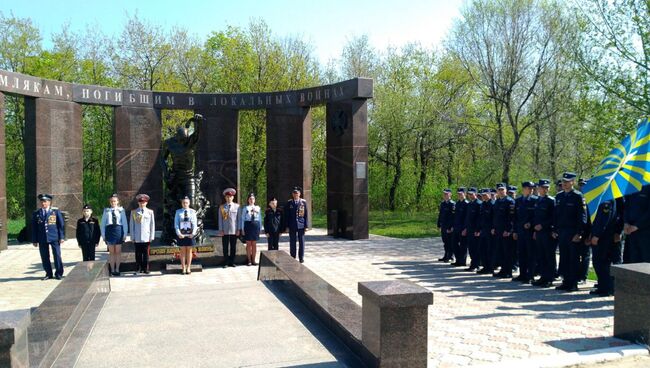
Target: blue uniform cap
544,183
446,190
485,190
471,190
45,197
512,188
500,185
461,190
296,189
114,195
185,197
492,190
568,176
528,184
87,207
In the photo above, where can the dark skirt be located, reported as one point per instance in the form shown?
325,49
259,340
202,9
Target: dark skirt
186,242
113,234
251,230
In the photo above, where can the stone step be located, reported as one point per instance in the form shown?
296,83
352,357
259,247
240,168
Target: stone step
176,268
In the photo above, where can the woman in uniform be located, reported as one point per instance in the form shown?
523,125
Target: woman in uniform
114,229
185,223
250,221
88,234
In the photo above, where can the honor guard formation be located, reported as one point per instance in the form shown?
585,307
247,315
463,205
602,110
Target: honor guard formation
236,222
506,233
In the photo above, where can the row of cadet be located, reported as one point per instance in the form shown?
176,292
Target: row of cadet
235,222
504,232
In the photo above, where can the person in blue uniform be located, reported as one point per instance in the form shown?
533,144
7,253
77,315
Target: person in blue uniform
512,193
486,237
186,227
249,224
114,227
524,216
637,225
273,224
48,231
88,233
503,218
460,241
545,245
602,242
446,223
296,220
584,251
472,229
570,224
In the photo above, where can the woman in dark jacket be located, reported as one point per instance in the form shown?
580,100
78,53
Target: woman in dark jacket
88,234
273,224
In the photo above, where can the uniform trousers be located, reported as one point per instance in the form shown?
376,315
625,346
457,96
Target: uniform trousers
584,254
273,241
571,256
460,248
229,244
486,250
447,240
474,244
639,246
605,253
44,250
142,256
505,249
87,251
545,245
297,234
526,253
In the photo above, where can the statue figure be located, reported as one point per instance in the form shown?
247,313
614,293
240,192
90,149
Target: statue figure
180,179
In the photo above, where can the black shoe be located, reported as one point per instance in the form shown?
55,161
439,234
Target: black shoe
443,259
231,265
302,261
571,288
596,292
496,274
526,281
505,276
47,277
147,272
545,284
562,286
58,277
482,271
471,269
518,278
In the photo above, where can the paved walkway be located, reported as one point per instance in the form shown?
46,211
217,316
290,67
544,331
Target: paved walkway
475,320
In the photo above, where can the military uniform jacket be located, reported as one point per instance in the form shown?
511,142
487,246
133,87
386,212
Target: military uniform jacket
295,214
88,232
473,218
570,212
605,220
460,215
524,213
142,225
48,226
637,208
544,213
487,208
503,215
273,220
446,214
228,218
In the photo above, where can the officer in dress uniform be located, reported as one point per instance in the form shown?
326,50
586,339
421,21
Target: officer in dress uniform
48,231
486,237
88,233
504,212
472,229
602,241
570,224
446,224
637,225
228,226
524,215
296,220
143,230
545,245
460,241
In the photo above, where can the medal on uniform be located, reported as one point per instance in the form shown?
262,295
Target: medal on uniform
224,213
301,210
137,216
51,220
186,227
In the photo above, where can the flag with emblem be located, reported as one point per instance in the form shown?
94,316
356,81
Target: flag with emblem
625,170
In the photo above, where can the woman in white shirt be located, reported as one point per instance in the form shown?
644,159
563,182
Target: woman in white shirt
114,228
185,223
250,220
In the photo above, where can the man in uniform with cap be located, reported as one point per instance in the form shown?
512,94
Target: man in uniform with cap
472,230
486,247
524,216
296,220
637,225
545,245
446,224
584,251
228,226
48,231
570,223
504,212
460,241
143,230
88,233
602,240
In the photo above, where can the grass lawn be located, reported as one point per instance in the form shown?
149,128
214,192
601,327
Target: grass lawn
394,224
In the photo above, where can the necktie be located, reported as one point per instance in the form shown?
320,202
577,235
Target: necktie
114,217
186,215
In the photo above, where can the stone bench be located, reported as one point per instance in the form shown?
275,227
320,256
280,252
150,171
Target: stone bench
388,330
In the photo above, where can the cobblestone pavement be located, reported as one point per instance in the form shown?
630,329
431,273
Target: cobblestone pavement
475,319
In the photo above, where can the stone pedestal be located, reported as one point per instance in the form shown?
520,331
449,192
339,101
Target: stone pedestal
347,169
217,155
288,154
54,157
395,322
632,301
13,338
3,175
137,135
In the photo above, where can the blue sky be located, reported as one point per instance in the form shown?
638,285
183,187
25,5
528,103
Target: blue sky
327,24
